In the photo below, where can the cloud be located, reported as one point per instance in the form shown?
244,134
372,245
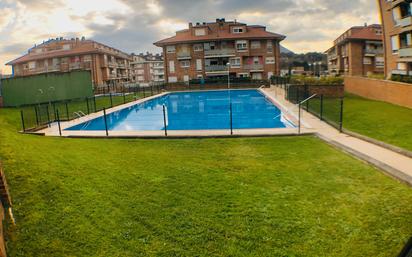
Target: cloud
133,25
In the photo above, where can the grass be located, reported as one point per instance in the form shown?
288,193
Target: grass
379,120
290,196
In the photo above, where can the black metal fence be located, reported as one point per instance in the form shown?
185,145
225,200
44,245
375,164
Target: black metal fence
42,114
324,101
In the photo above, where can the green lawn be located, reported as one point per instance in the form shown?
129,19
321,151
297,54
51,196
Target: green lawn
383,121
287,196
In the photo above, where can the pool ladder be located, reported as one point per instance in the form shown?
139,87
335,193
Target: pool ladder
79,114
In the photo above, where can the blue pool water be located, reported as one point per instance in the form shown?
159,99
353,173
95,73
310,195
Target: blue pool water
195,111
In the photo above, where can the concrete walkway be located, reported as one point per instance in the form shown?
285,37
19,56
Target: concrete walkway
393,163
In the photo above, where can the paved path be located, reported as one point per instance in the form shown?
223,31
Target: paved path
391,162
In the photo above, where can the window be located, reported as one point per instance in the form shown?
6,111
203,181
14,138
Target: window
235,62
170,49
185,64
237,30
172,66
172,79
256,60
367,60
255,44
379,62
139,65
66,47
186,78
140,72
200,76
269,46
87,58
270,60
200,32
241,45
395,43
198,47
401,66
32,65
210,46
243,75
199,64
140,78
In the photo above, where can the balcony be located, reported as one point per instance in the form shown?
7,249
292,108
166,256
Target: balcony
227,52
216,68
373,52
399,72
332,56
253,67
405,52
405,22
183,56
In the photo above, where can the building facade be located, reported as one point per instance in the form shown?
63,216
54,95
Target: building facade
205,49
396,19
357,52
147,68
108,66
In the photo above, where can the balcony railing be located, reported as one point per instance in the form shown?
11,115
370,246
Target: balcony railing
373,51
183,55
399,72
404,22
332,56
220,52
214,68
405,52
253,67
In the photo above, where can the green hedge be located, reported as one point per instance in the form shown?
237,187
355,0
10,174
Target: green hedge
307,80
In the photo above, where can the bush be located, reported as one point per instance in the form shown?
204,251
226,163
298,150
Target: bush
402,78
307,80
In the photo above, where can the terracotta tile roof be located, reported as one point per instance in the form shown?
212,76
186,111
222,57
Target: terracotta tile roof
81,49
252,32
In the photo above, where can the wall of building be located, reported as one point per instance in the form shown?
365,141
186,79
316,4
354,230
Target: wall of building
45,88
382,90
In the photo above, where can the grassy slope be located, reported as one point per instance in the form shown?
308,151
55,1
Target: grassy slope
217,197
383,121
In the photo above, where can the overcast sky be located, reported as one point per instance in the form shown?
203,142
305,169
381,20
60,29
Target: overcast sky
133,25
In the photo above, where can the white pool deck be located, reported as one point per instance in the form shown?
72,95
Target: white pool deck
393,163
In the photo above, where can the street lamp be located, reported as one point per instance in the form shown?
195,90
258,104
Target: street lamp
228,75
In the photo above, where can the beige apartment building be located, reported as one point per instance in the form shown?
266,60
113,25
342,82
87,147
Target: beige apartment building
204,50
147,68
108,66
357,52
396,19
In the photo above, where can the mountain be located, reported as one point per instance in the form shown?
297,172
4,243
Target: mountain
284,50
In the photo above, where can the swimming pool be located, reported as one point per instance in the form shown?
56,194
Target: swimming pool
200,110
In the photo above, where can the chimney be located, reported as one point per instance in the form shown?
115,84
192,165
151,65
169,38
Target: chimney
366,24
190,25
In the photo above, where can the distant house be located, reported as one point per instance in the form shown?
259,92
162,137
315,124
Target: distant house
107,64
358,51
147,68
204,50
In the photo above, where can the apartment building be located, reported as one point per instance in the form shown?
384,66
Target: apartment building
357,52
396,19
147,68
204,50
108,66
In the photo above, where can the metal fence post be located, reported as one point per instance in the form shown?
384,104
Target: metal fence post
151,89
58,122
37,115
124,97
94,101
105,121
54,111
22,120
341,115
299,115
321,107
231,119
111,100
48,115
88,108
164,119
67,111
144,92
